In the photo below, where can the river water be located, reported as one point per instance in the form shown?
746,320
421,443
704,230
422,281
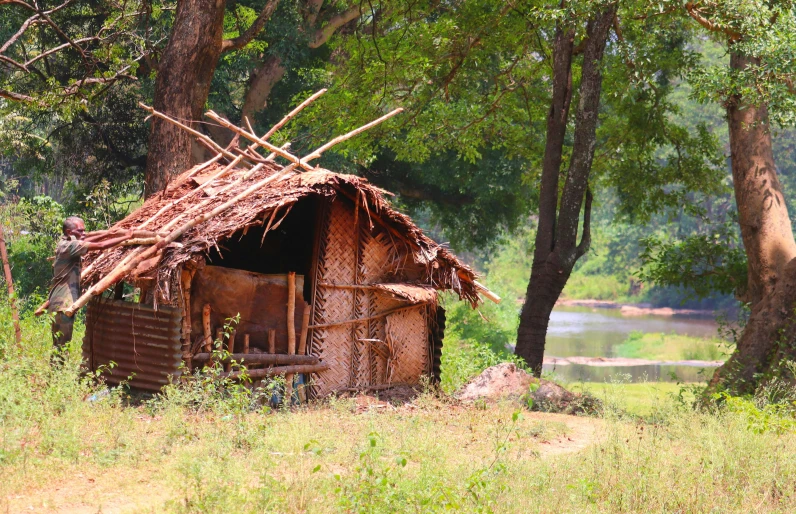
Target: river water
596,332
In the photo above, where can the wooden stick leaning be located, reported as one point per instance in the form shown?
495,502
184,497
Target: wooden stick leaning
278,370
142,253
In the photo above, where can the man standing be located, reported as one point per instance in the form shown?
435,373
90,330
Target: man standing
65,287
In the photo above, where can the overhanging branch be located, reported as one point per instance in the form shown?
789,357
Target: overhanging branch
250,33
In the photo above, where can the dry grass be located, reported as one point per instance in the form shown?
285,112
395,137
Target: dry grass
60,453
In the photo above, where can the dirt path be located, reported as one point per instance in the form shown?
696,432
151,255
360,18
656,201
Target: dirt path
583,432
131,490
134,491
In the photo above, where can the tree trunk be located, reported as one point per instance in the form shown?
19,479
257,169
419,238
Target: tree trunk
557,250
768,242
183,83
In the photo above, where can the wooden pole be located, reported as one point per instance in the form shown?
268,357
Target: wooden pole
291,331
10,286
279,370
293,113
185,280
245,344
302,349
272,341
231,346
339,139
262,358
206,328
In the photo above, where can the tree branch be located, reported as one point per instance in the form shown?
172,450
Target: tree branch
322,35
250,33
712,26
17,97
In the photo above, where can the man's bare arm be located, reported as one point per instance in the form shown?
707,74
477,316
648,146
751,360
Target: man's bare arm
108,243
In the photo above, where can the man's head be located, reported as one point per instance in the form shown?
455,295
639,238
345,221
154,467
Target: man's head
74,226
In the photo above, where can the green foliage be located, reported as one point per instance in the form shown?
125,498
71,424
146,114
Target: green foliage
703,263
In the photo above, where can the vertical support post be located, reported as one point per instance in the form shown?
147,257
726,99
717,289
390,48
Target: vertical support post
245,343
10,285
302,348
291,330
185,281
231,347
272,341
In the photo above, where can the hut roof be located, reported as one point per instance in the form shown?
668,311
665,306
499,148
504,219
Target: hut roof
266,206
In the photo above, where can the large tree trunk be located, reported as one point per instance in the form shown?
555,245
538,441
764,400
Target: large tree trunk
183,83
768,242
557,249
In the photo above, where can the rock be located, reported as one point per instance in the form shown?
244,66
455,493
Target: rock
506,380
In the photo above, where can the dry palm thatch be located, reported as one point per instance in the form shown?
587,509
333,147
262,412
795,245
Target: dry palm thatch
240,188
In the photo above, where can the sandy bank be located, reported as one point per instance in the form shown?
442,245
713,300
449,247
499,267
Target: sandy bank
622,361
641,309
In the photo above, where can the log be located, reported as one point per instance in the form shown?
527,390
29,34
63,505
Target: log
280,359
278,370
291,331
378,387
272,341
10,286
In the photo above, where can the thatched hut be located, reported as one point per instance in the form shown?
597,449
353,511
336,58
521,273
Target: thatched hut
365,273
325,278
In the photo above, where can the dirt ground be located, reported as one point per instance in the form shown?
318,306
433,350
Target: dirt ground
143,489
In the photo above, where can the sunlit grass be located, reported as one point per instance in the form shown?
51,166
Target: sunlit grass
672,347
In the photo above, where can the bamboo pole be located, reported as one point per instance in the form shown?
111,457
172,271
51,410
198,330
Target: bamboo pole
245,344
278,370
253,137
339,139
293,113
272,341
192,192
261,358
486,292
10,286
291,331
199,135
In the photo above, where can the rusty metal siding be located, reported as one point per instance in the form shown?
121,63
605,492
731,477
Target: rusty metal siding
142,342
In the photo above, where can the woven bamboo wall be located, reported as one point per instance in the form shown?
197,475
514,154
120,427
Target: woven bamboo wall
386,349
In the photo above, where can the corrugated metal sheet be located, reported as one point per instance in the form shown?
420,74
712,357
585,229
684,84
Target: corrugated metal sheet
144,343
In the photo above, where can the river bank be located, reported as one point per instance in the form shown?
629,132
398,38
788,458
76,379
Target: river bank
635,309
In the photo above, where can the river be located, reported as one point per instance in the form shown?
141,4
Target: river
596,332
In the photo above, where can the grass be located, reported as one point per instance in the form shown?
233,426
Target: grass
672,347
205,449
641,399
